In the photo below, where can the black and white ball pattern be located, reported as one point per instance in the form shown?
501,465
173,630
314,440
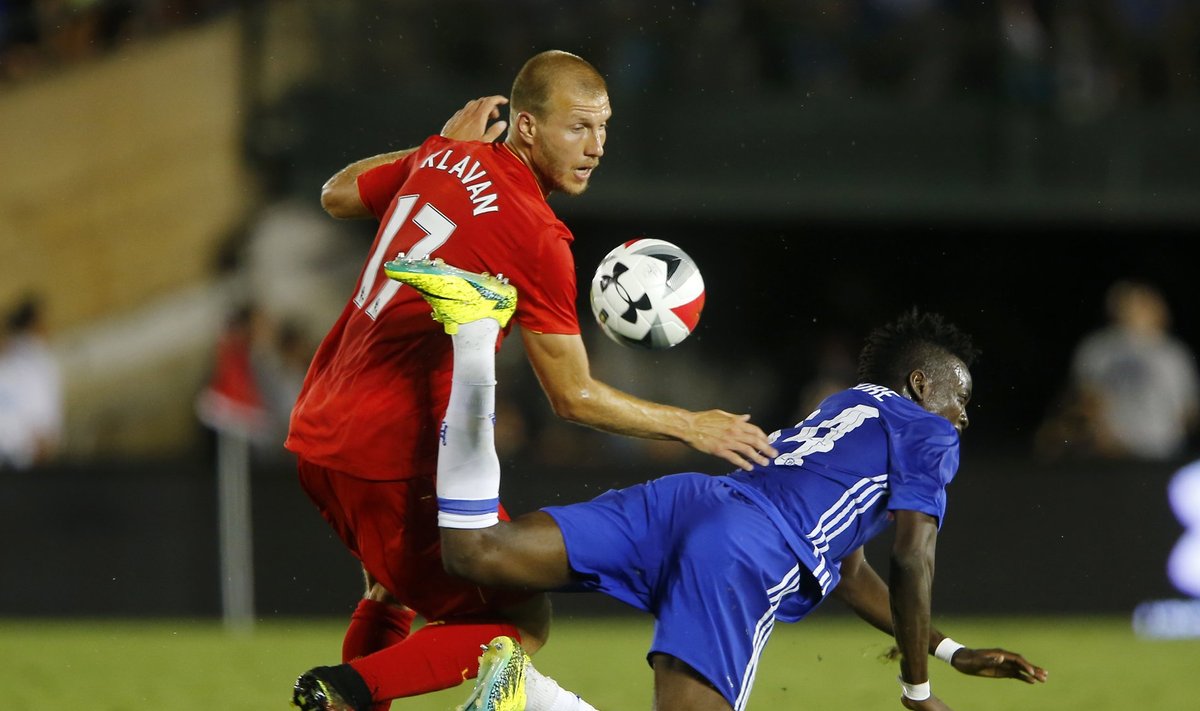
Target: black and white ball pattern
647,293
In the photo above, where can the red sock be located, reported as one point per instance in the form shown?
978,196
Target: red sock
375,626
435,657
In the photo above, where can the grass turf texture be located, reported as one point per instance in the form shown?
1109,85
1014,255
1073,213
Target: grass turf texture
829,662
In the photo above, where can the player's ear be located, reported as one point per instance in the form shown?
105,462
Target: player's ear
526,126
918,385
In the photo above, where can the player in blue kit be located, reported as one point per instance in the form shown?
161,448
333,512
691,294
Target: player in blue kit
717,560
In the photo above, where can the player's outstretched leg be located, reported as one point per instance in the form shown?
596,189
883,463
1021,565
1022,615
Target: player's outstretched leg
456,295
468,493
500,684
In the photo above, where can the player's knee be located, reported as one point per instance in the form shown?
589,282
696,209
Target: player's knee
465,554
457,562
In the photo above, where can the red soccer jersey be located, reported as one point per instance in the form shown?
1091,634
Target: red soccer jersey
377,388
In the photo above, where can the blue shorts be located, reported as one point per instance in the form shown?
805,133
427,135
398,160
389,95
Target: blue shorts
704,560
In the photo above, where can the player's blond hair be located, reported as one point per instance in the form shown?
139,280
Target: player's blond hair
547,72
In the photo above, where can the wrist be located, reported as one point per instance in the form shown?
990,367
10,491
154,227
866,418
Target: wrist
946,649
680,425
915,692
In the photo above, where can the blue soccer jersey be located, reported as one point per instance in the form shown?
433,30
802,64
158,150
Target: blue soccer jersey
717,560
864,452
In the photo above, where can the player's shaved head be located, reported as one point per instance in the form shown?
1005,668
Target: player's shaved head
549,72
558,121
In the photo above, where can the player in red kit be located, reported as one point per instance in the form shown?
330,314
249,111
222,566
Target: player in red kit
365,426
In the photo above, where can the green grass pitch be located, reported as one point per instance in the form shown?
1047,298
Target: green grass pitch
829,662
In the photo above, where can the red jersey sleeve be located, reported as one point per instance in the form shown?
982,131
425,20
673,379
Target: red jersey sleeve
377,186
548,303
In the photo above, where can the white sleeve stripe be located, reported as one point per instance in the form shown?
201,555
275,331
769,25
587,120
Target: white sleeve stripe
484,520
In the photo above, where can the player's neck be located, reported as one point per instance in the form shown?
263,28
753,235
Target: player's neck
524,158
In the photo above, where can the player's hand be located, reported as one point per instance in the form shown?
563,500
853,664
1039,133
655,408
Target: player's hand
730,437
997,664
933,703
470,123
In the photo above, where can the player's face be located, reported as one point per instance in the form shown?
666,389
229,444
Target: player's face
570,140
948,392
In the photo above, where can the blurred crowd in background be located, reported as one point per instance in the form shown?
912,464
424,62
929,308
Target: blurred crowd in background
1074,58
1080,56
1132,391
31,390
41,36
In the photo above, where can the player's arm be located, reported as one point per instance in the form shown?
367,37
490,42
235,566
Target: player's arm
561,364
867,595
911,592
910,598
340,197
864,592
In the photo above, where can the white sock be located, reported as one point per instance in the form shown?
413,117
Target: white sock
468,470
544,694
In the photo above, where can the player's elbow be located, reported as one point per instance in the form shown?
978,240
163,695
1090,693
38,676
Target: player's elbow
567,410
573,406
340,201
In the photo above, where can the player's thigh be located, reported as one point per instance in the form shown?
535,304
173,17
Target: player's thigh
720,593
528,552
679,687
322,487
401,546
391,527
616,543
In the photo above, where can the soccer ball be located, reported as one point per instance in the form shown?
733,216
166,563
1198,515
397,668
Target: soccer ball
647,293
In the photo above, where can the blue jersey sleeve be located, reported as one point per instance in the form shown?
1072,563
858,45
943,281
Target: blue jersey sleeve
924,460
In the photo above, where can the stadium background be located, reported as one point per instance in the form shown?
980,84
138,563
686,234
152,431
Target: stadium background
827,164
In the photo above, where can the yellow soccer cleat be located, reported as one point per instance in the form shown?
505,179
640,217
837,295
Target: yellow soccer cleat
456,295
500,685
